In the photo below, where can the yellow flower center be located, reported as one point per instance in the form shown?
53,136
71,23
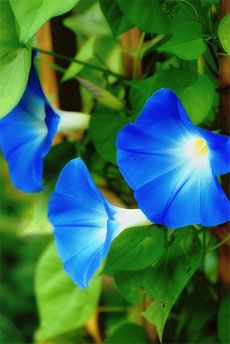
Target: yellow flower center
200,147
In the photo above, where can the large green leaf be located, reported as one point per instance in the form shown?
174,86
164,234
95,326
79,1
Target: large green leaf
128,333
116,20
103,128
15,59
14,73
8,30
223,33
186,42
61,304
135,249
224,320
31,15
164,282
195,93
148,15
20,20
198,98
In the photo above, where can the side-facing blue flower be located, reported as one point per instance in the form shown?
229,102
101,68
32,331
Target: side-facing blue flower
172,165
26,134
85,223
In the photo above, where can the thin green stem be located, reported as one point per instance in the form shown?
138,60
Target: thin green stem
219,244
53,65
112,309
138,57
86,64
204,249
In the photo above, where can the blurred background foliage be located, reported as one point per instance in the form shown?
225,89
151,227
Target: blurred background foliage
127,50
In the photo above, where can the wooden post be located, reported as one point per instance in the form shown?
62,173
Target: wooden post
47,73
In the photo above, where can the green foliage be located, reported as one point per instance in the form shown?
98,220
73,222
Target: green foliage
132,333
195,92
105,140
20,20
135,249
223,32
18,261
165,281
31,15
153,267
93,16
186,42
15,60
149,16
224,320
117,21
60,299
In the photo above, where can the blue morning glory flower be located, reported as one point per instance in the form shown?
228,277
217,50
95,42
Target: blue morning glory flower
85,223
173,165
26,134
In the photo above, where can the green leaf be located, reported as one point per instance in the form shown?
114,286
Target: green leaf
198,98
147,15
209,2
135,249
8,30
20,20
174,79
103,128
164,282
223,33
196,93
186,42
36,222
117,21
61,304
14,73
224,320
15,61
93,16
31,15
84,54
102,95
128,333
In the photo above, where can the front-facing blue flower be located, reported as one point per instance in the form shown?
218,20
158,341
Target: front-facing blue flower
85,223
26,134
172,165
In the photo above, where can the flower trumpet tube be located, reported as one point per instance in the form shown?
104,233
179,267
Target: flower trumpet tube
172,165
71,120
84,222
27,132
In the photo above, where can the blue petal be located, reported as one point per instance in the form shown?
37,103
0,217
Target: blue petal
26,134
153,159
164,113
81,216
185,196
219,151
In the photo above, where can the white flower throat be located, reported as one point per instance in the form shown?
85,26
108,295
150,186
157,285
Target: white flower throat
197,149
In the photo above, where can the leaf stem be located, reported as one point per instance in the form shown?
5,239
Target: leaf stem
204,249
138,57
86,64
222,242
